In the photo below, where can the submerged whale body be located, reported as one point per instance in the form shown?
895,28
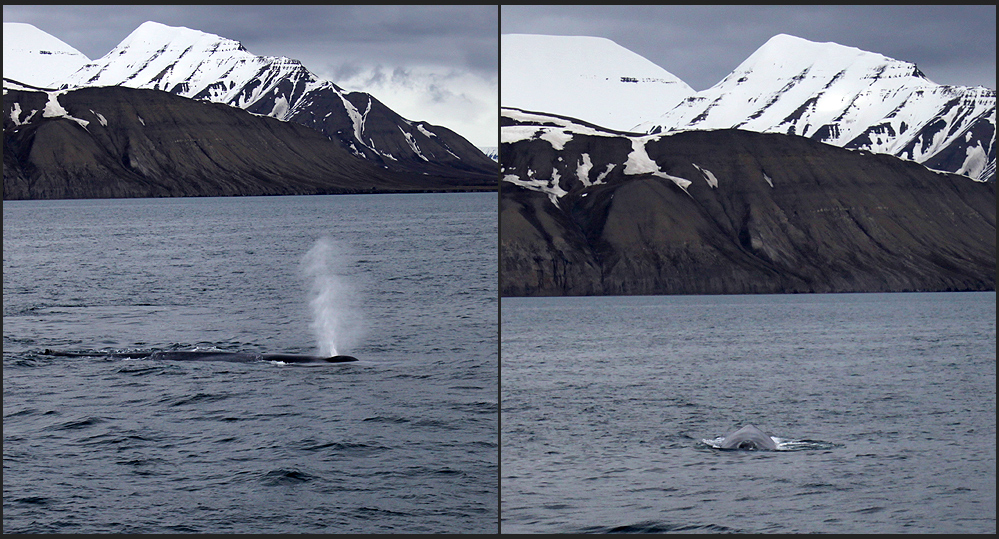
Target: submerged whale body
241,357
237,357
748,437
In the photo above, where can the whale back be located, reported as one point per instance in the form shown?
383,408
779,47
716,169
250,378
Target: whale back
236,357
242,357
748,437
293,358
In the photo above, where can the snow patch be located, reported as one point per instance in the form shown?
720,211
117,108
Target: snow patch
974,162
557,138
100,118
53,109
549,186
412,143
15,114
600,178
708,176
511,134
639,162
583,169
424,130
280,109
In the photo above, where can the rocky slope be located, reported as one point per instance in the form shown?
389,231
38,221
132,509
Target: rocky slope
585,210
116,142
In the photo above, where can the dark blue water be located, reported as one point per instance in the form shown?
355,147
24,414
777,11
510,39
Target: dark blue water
404,440
609,406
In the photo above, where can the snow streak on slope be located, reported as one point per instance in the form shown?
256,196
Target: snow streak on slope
845,97
590,78
31,56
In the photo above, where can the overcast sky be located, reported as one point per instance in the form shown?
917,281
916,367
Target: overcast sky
433,63
701,44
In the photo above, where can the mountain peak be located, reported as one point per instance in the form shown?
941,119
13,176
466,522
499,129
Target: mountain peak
846,97
591,78
785,57
183,61
32,56
781,40
203,66
152,36
17,32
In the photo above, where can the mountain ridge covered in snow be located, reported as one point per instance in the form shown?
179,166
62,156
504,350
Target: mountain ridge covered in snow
204,66
828,92
191,63
846,97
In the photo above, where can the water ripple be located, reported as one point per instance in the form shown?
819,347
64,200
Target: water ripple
286,477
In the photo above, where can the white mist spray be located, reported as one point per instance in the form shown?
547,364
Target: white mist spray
335,321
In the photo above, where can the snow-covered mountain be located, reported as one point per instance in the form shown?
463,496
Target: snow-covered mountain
828,92
590,78
194,64
850,98
204,66
33,57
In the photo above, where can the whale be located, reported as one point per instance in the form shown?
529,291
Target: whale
235,357
748,437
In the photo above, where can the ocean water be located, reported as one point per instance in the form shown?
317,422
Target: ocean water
884,404
404,440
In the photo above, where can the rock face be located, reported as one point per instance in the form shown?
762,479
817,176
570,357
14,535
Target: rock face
116,142
587,211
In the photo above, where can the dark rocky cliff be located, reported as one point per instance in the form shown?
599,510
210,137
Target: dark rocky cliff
113,142
788,215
